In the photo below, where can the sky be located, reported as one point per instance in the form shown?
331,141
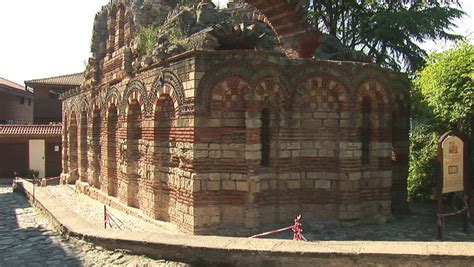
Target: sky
45,38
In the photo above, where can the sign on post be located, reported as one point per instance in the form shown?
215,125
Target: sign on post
454,167
453,164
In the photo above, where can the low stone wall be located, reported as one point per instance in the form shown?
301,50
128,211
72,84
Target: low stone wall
214,250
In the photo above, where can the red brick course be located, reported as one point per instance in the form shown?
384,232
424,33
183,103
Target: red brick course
185,139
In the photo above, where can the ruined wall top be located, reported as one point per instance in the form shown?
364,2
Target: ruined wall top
143,32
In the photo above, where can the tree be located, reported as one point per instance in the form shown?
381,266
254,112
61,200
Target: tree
442,99
388,31
446,85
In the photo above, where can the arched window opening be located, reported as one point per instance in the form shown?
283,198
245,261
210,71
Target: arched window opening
134,136
165,116
365,134
83,148
265,138
112,158
111,30
96,156
73,147
120,28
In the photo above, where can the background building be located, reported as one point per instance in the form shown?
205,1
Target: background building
47,108
37,145
16,103
30,147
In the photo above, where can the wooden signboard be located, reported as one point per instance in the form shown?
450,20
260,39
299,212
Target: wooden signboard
453,164
454,167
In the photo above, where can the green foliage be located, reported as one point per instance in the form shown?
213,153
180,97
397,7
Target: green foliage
447,86
147,38
388,31
423,164
442,99
176,36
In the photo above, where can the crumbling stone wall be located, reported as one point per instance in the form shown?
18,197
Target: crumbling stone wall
189,144
232,140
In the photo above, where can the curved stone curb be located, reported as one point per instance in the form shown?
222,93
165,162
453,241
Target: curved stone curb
233,251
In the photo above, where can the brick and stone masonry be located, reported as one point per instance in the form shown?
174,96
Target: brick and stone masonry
234,139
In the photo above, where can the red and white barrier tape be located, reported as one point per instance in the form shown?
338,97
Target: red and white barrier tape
296,228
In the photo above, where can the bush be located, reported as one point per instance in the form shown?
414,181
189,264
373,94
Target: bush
423,175
147,38
441,100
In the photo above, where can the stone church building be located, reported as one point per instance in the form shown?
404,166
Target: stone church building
208,135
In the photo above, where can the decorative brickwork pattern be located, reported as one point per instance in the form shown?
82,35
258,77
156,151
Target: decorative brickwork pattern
233,140
203,171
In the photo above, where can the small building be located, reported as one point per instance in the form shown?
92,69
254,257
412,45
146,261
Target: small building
235,136
16,103
30,147
47,106
38,146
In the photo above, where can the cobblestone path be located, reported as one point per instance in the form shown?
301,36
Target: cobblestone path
27,239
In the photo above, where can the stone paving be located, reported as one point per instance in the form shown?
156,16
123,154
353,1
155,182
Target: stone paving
93,211
419,224
27,239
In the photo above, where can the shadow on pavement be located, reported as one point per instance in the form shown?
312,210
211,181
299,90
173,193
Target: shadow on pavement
24,237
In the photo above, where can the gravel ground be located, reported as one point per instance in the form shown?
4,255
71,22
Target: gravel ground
93,211
420,224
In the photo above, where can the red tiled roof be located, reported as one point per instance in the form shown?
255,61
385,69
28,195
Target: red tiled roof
30,130
11,84
74,79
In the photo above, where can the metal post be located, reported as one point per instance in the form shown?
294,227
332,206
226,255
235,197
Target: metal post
467,184
105,217
34,188
465,218
440,223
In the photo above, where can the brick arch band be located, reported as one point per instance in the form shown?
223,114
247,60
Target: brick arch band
112,99
135,90
167,83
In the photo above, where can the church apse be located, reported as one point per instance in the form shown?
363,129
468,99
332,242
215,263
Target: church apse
217,136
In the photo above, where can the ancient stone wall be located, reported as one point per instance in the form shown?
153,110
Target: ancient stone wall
140,133
229,140
316,140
